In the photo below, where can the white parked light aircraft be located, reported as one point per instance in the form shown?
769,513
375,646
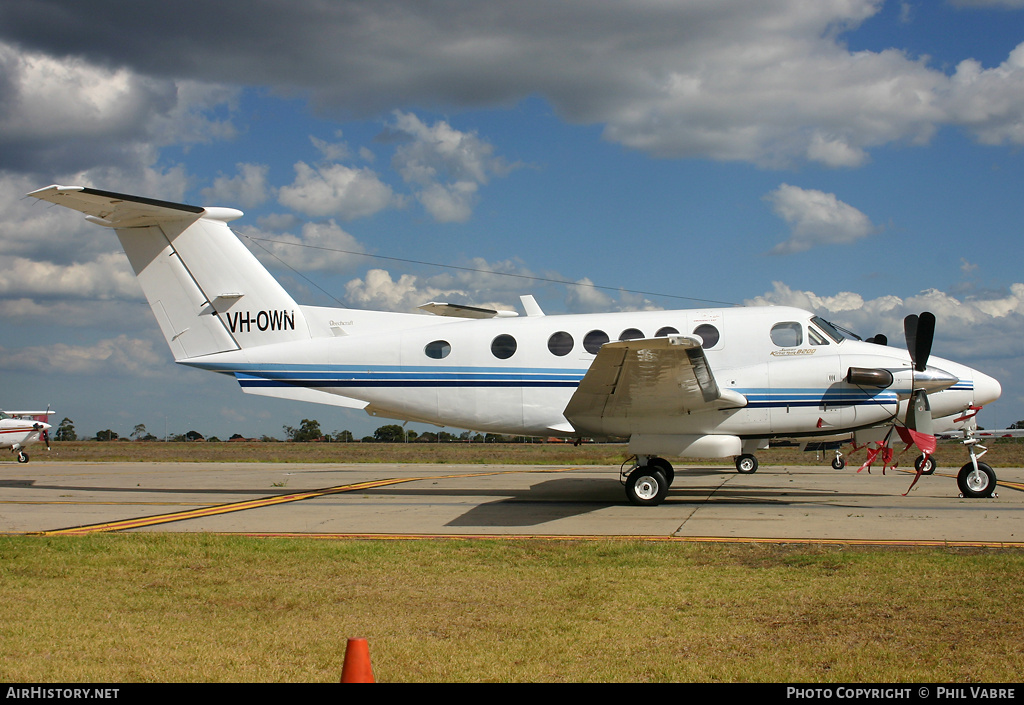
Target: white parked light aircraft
19,429
691,383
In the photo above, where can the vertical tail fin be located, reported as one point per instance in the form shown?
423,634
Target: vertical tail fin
208,292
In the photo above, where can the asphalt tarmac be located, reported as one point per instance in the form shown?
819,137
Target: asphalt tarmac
807,503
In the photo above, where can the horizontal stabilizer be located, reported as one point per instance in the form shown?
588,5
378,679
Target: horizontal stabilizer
117,209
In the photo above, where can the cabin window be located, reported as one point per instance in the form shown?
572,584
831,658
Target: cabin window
708,333
593,341
665,332
438,350
631,334
788,334
560,343
503,347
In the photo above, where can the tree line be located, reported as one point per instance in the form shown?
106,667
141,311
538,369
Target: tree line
308,431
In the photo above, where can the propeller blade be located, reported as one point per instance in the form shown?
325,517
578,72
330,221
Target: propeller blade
910,332
925,335
919,331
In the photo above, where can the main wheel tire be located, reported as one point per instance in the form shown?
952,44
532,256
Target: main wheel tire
646,486
665,467
976,483
746,464
926,466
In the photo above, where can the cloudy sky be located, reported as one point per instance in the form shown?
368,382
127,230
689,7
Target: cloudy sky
859,158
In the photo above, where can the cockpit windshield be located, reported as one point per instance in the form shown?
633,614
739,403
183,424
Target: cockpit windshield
837,333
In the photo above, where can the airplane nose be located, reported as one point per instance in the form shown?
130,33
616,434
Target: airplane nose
986,389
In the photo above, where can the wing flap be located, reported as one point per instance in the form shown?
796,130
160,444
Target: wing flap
654,377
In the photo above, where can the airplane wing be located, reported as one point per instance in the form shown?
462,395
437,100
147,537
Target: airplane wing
644,378
116,209
462,311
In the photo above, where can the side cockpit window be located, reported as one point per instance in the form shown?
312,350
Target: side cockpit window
788,334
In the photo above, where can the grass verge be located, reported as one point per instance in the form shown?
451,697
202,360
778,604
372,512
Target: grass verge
205,608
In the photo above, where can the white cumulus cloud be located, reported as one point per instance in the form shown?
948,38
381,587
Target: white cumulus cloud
816,218
446,167
336,190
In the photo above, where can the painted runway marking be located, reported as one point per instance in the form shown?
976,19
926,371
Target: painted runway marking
125,524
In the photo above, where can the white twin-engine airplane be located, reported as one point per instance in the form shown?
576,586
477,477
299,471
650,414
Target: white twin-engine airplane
694,383
19,429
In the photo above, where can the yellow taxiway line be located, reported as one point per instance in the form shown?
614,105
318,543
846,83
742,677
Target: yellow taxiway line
140,522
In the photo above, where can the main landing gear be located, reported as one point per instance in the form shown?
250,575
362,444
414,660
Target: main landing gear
648,480
746,464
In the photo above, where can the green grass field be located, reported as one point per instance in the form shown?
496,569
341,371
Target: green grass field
201,608
171,607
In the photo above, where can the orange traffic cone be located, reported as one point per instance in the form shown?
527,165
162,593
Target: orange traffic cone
357,663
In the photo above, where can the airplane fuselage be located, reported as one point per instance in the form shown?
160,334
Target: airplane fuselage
17,433
516,375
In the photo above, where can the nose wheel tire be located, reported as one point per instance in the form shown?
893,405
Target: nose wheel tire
976,482
646,486
22,458
927,467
